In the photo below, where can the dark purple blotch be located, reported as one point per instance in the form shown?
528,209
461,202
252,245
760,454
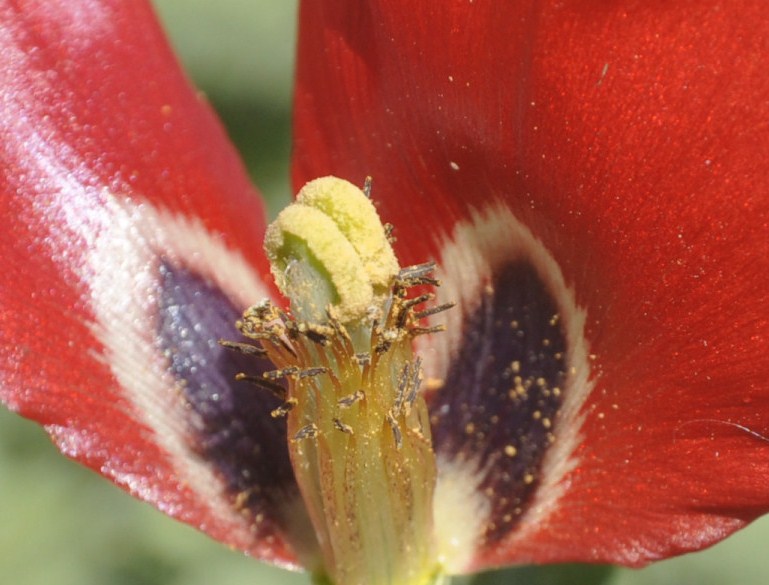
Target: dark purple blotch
499,405
232,429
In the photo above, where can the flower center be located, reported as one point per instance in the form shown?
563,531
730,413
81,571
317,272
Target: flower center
358,428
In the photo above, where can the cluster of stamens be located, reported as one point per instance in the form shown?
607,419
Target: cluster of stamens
304,351
349,384
358,427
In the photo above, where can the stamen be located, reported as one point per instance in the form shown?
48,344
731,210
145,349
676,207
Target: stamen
244,348
415,331
416,379
433,310
405,307
340,426
348,401
408,303
316,333
282,373
336,325
382,347
345,352
284,408
388,229
397,435
309,431
416,271
417,275
312,372
403,384
276,389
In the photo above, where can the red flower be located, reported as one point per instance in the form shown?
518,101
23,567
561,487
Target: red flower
589,177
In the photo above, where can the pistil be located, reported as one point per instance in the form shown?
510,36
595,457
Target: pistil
358,429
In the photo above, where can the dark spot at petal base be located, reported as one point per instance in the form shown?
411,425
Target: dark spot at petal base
233,427
499,405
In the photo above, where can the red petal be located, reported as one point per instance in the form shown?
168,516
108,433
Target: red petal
114,170
632,140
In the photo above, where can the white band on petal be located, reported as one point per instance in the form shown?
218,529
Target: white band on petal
123,272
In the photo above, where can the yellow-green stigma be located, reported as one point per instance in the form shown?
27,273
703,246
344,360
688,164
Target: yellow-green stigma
358,428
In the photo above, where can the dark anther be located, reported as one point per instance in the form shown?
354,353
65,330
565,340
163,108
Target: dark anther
426,330
284,408
306,373
316,337
416,271
433,310
306,432
403,386
282,373
348,401
244,348
407,305
276,389
340,426
388,229
416,378
396,430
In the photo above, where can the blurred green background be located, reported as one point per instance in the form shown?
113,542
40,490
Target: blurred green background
62,525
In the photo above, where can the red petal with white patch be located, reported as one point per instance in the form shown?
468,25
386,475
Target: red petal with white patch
131,236
629,141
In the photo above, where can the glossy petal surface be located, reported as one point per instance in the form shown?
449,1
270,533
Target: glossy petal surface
631,139
131,242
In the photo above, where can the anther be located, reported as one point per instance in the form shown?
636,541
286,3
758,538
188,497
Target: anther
320,334
340,426
367,184
415,331
396,430
417,275
416,379
276,389
336,325
306,373
416,270
348,401
284,408
309,431
433,310
244,348
403,385
388,230
316,337
407,305
281,373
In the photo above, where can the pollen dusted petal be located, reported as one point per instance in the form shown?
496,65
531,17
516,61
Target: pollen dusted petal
509,376
500,402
